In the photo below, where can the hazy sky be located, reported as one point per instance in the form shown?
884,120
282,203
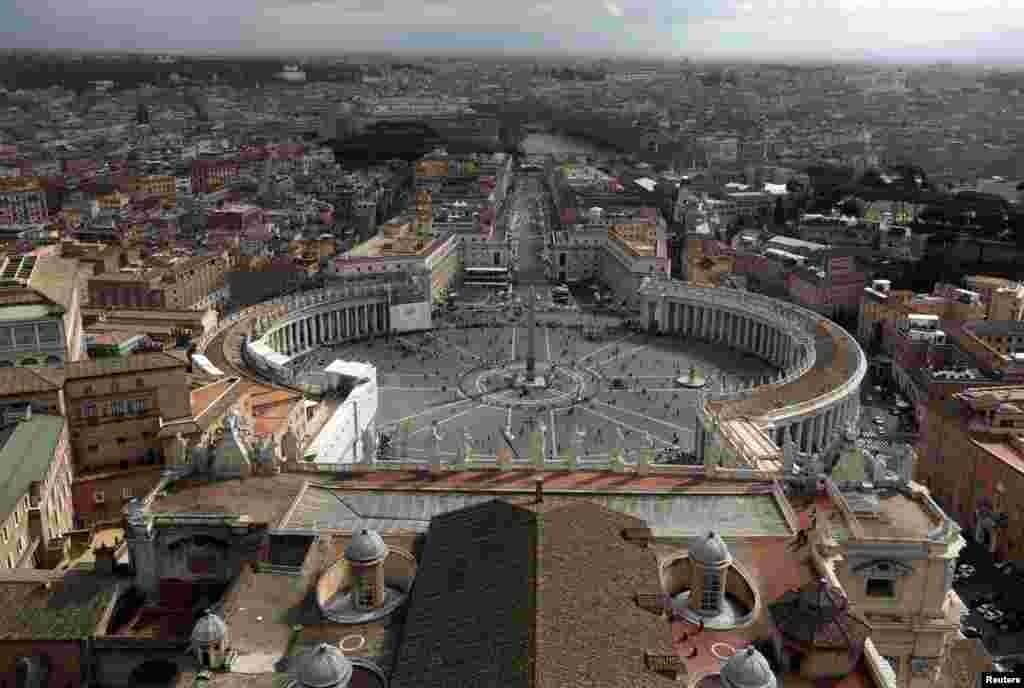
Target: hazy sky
961,30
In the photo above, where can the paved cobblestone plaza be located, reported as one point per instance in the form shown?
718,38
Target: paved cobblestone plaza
615,386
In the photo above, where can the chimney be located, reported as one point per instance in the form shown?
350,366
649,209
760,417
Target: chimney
538,489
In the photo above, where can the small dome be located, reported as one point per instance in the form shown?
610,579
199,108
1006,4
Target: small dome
747,669
710,550
209,629
366,545
325,667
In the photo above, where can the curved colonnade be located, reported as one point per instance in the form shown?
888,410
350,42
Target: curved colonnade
821,365
323,317
814,394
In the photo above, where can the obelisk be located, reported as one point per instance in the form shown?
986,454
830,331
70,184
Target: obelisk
531,344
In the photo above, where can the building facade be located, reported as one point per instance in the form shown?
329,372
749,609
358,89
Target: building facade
35,458
40,315
117,408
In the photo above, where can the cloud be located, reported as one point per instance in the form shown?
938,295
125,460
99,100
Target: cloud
929,29
612,9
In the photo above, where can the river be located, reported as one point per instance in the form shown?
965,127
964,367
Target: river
548,142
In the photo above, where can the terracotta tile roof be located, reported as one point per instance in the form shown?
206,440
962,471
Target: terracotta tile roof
17,381
227,390
123,364
504,596
590,631
470,616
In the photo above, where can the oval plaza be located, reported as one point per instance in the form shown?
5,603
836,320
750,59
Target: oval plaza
808,400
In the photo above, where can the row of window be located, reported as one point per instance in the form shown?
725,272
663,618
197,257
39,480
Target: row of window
114,386
30,335
100,496
118,408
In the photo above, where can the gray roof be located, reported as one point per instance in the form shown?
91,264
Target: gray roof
209,629
709,549
325,667
366,545
680,514
747,669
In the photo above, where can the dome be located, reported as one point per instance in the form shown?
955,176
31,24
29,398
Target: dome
209,629
366,545
325,667
709,550
747,669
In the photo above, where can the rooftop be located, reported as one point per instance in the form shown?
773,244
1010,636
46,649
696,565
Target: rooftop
70,608
264,499
18,381
27,312
672,513
542,587
898,517
78,370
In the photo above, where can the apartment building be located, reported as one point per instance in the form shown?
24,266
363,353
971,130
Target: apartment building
164,281
22,201
40,311
35,505
211,175
117,408
970,456
164,186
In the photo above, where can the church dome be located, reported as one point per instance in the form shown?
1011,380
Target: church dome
325,667
210,629
747,669
366,545
709,550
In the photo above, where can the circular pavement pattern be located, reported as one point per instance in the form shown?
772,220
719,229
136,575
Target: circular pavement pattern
613,388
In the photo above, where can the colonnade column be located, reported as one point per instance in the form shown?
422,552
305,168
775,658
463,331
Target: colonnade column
803,432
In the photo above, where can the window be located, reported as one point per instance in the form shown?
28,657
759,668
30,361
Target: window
5,535
894,662
98,497
119,407
881,587
21,544
25,336
712,591
49,333
93,447
126,493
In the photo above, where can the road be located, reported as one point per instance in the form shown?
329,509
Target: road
528,222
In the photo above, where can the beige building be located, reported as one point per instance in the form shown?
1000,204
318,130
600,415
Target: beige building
40,311
35,504
117,408
162,281
161,185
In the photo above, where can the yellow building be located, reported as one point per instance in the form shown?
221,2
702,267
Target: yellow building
161,185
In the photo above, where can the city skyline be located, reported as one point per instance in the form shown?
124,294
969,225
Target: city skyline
834,30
